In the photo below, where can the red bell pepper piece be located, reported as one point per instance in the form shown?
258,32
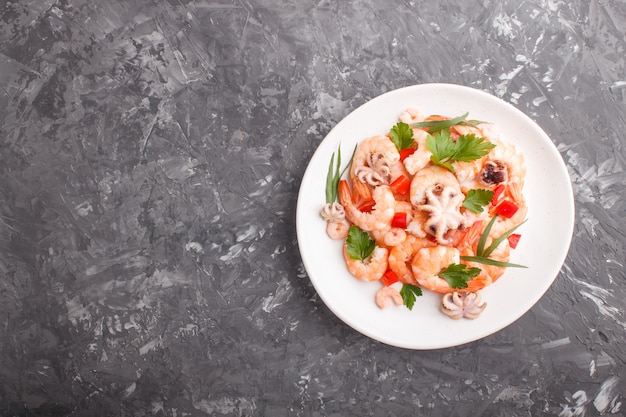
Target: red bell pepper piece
389,277
406,152
400,185
399,220
514,240
497,192
507,209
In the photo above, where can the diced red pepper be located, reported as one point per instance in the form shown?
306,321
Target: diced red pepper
507,209
406,152
367,206
389,277
400,185
399,220
496,194
514,240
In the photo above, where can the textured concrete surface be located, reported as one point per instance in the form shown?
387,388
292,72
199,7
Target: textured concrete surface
150,158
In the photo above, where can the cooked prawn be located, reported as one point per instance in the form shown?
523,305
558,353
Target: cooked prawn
401,255
389,237
392,236
411,115
385,293
369,269
380,216
337,230
429,262
421,157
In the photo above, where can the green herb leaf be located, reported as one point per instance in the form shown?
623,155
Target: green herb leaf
465,148
409,293
334,176
331,191
457,275
471,147
492,262
441,145
483,238
476,199
437,125
401,135
358,244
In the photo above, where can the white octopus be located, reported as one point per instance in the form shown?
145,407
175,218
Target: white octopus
376,172
333,212
458,305
444,212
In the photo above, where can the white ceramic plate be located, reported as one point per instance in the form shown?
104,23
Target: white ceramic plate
546,236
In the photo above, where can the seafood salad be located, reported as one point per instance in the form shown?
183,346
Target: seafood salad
433,205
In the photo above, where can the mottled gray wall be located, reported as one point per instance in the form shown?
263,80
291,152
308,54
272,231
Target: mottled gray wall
150,159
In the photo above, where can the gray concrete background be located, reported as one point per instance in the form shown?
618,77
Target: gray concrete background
150,158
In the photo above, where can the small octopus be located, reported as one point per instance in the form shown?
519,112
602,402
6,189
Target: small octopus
458,305
444,212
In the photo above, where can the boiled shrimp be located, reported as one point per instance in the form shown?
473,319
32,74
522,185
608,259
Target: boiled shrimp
429,262
370,269
392,236
411,115
337,230
421,157
401,255
386,293
389,237
380,216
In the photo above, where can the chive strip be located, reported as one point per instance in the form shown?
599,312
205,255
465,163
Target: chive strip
437,125
492,262
331,194
484,236
499,240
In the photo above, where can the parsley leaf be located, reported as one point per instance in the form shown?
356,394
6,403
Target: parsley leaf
409,293
401,135
475,200
441,145
358,244
465,148
457,275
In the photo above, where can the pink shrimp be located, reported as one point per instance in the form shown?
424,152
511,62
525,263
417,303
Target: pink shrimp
380,216
337,230
385,293
370,269
401,255
429,262
421,157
